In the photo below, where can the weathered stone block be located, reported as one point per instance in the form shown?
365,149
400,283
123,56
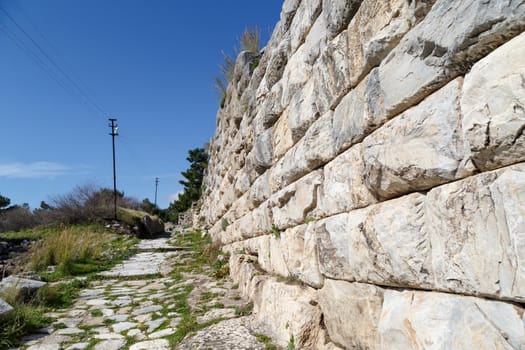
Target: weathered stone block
292,205
315,148
332,73
352,312
442,47
260,191
493,105
276,65
384,244
262,151
303,20
261,220
477,231
419,149
241,207
416,320
338,13
282,139
296,74
275,256
242,183
465,237
315,40
376,29
299,250
303,110
244,272
343,187
301,320
351,118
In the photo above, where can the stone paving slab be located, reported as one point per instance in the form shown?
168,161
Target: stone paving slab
234,334
142,264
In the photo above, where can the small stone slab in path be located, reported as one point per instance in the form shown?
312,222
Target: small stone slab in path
233,334
157,344
142,264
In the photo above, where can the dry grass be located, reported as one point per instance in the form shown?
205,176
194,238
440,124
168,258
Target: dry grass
70,245
250,40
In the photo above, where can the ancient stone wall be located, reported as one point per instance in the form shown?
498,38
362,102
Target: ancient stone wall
367,175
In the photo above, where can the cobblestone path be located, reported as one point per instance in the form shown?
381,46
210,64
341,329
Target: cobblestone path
147,303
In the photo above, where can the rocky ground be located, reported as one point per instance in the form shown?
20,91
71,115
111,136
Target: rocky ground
158,299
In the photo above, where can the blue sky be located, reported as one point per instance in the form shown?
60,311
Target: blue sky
150,64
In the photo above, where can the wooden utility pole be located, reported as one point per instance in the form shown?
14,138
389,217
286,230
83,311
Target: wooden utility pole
114,132
156,186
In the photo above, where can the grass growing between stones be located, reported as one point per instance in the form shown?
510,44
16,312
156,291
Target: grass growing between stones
205,258
24,319
266,340
29,316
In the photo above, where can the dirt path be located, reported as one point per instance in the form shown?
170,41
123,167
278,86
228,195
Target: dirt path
158,299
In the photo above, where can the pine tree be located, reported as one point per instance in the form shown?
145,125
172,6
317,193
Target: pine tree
192,181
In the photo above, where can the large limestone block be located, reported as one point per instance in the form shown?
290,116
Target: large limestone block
303,20
260,190
384,244
262,151
270,109
296,74
442,47
315,148
377,28
245,273
242,183
315,40
276,65
303,110
477,230
352,313
261,220
436,321
352,118
244,65
299,250
282,139
292,205
419,149
338,13
241,207
289,310
234,230
493,105
275,255
343,187
332,73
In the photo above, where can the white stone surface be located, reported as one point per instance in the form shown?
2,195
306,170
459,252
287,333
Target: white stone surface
419,149
493,105
343,187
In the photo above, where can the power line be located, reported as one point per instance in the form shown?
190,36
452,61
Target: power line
38,61
80,91
57,53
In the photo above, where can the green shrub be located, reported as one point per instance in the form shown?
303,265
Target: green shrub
224,224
